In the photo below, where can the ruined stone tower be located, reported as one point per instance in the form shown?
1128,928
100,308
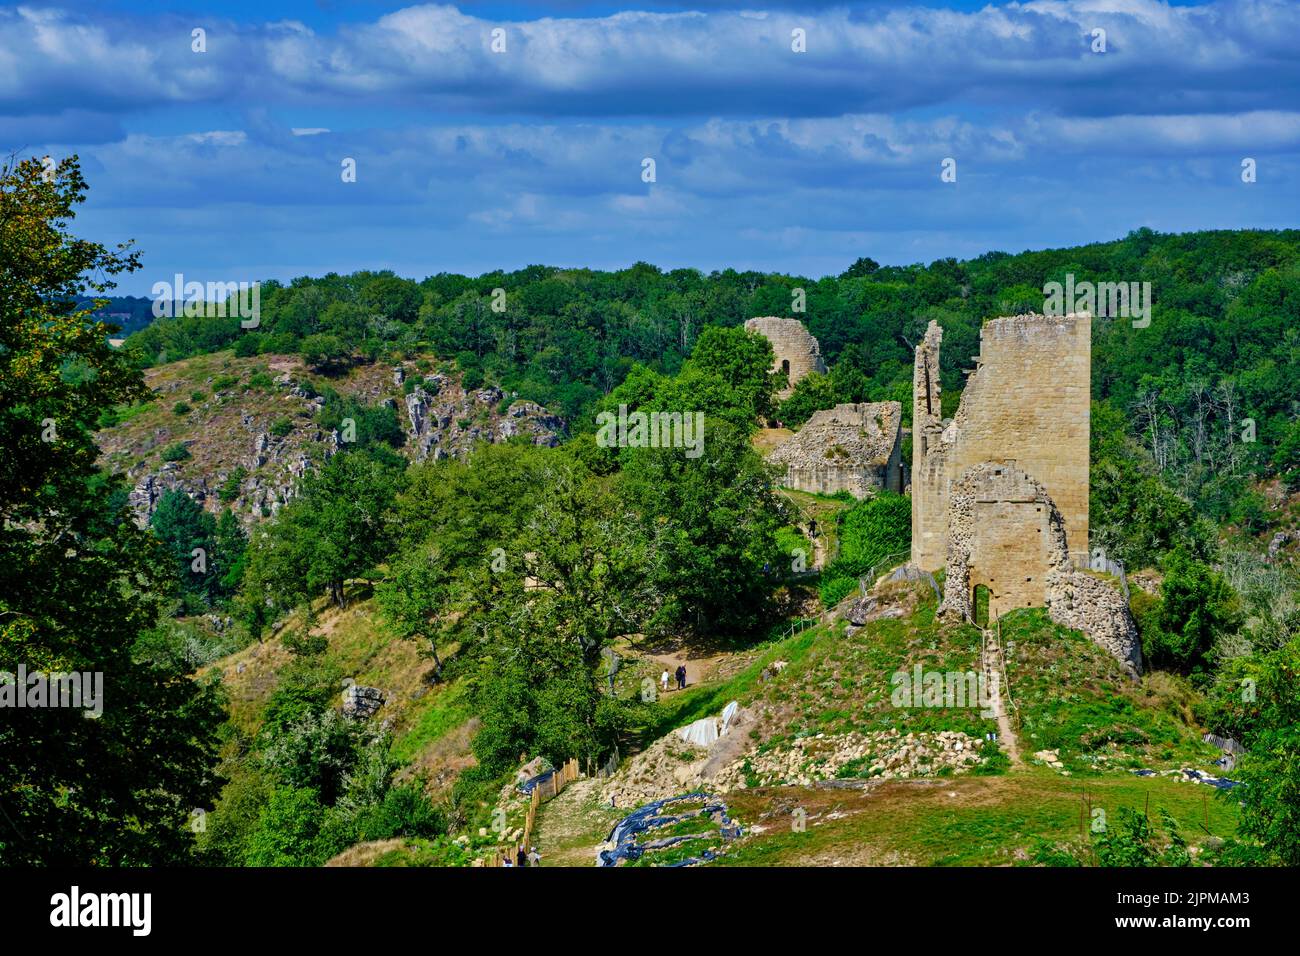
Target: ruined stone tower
1025,405
1000,492
796,351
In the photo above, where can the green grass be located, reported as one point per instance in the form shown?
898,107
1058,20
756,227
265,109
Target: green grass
1073,697
985,823
438,713
701,700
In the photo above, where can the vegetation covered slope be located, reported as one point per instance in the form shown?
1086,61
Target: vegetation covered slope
521,571
1072,698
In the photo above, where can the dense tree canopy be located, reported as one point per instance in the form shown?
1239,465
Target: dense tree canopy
79,581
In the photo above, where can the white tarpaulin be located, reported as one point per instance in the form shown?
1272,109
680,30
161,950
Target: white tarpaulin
702,733
727,713
705,731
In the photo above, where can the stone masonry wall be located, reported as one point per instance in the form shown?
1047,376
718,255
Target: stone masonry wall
1005,533
929,457
791,343
1025,405
1077,599
852,447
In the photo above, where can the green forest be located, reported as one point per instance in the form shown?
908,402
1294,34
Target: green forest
517,568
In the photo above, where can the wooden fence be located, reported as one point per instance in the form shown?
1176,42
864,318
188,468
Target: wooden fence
545,790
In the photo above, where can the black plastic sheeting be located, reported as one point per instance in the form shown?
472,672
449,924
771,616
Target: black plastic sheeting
650,816
1219,783
529,785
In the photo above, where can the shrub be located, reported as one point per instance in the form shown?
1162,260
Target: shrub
223,382
281,427
873,530
180,408
198,395
1196,606
246,346
324,351
176,452
229,489
261,380
836,589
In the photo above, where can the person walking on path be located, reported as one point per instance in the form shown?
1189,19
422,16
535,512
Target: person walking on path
663,681
681,677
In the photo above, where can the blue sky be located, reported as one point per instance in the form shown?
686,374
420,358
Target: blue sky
225,165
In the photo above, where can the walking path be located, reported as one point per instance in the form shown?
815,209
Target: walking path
995,671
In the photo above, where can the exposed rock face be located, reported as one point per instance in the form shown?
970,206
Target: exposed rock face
448,422
1279,541
362,702
148,491
855,448
797,352
235,449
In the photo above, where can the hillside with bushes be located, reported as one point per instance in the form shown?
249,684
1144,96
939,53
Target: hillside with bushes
455,583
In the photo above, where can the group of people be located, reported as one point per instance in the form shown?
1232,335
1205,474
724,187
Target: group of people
520,858
679,675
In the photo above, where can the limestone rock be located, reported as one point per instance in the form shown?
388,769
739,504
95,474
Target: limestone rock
362,702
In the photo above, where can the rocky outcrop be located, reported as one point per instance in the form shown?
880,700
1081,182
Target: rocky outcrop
237,452
362,702
1280,540
444,421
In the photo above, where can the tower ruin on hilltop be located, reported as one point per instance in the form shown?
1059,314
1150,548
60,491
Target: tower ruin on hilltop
854,447
1000,491
796,351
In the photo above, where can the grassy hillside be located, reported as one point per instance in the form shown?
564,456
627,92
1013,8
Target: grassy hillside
1071,697
200,431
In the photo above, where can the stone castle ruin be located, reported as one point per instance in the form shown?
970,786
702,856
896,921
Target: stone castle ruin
796,352
854,448
1000,491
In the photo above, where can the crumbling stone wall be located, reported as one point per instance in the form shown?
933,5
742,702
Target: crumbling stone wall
852,447
1025,404
929,457
1002,488
1093,605
796,351
1005,533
